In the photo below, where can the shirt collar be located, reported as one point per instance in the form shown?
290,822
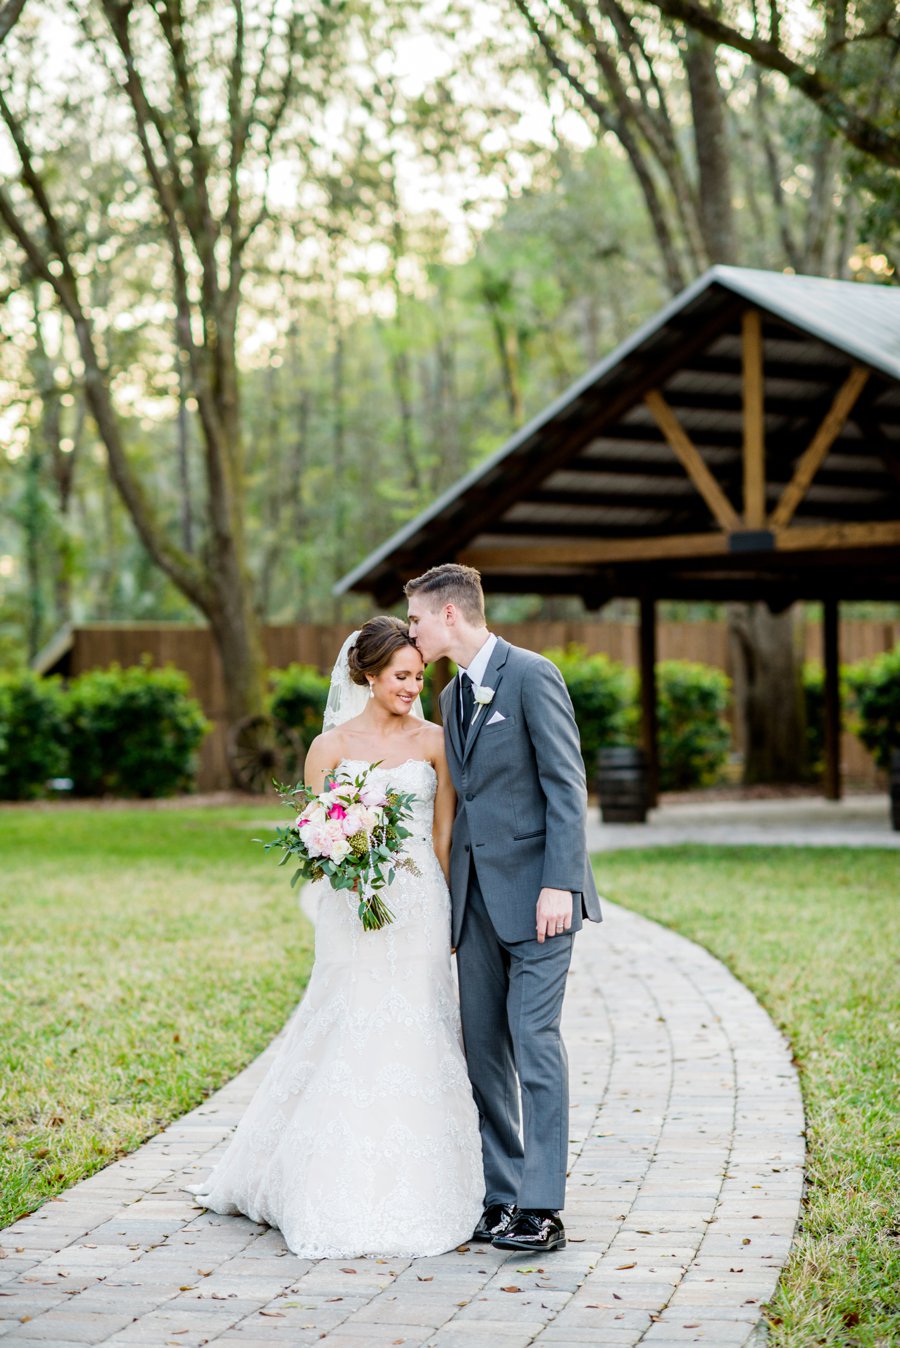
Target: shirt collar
480,660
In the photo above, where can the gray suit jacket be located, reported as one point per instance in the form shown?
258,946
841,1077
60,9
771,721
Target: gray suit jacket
521,796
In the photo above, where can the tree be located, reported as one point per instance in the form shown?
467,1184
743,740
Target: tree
206,170
831,84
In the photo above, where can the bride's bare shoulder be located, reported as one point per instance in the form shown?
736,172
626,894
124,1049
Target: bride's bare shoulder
434,737
327,749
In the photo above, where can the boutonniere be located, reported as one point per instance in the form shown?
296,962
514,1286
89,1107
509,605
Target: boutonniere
483,697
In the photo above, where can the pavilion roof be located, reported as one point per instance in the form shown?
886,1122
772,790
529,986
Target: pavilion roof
743,443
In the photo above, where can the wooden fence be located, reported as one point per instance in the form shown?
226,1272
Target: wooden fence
191,649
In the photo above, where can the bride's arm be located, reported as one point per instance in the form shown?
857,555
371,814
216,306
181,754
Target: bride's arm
322,757
444,805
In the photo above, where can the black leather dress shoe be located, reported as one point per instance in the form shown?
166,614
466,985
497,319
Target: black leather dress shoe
494,1221
533,1229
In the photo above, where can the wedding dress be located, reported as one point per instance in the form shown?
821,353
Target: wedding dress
363,1138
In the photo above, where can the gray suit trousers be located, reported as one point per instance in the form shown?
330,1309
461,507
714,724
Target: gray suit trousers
511,996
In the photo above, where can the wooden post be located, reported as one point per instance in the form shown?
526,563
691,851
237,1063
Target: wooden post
754,424
649,725
832,709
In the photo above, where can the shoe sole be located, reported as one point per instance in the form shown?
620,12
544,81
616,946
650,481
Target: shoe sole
500,1243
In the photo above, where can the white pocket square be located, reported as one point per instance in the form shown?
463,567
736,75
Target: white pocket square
497,716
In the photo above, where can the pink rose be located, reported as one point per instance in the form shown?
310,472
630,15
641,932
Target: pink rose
372,796
336,811
339,849
317,840
314,812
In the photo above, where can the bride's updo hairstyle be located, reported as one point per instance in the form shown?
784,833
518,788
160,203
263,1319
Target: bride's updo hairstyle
378,639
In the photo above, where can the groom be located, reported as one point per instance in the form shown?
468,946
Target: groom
521,884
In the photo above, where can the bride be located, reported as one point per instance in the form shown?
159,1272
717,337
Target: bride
363,1138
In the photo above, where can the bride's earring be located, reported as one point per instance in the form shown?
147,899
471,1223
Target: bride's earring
371,690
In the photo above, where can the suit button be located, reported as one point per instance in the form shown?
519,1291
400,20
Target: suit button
470,795
467,847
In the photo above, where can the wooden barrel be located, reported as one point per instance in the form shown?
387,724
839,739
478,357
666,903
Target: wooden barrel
622,785
895,788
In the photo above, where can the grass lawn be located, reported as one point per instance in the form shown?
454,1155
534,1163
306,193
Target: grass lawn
816,934
145,956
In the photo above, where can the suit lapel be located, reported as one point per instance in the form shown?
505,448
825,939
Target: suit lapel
492,676
454,729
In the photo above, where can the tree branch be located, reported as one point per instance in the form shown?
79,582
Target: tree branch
859,130
620,129
9,16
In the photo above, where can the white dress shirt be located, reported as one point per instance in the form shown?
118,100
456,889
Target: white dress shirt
478,665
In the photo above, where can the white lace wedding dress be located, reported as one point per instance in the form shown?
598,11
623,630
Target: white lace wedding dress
363,1137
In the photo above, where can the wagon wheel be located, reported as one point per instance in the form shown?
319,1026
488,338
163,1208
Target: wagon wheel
261,749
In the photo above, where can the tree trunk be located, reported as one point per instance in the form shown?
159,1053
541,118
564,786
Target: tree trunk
768,665
711,145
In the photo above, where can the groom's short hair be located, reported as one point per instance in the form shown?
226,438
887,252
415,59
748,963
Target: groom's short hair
451,583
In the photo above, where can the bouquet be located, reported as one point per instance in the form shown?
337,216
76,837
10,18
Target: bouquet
350,834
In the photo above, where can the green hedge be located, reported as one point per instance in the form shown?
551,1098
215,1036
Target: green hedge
874,687
133,731
870,702
692,699
602,694
32,735
694,737
298,698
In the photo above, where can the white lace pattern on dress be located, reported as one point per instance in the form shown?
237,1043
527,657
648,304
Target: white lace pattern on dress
363,1137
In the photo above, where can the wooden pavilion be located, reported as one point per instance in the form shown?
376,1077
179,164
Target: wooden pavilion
743,445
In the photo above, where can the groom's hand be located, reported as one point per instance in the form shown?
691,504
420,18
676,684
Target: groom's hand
554,913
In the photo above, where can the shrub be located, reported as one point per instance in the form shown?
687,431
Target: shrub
814,704
874,687
694,736
32,735
601,693
299,694
134,731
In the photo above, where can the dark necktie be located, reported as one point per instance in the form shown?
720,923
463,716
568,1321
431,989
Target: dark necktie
468,703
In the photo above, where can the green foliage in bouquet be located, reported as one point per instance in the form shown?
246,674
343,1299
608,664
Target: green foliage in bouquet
875,698
352,835
694,736
134,731
32,735
602,698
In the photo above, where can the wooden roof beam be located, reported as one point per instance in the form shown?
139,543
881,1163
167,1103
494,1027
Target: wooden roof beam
814,455
686,451
754,421
602,551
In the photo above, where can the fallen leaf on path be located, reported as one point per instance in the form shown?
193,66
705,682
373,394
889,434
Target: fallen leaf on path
348,1270
620,1268
274,1315
420,1278
510,1289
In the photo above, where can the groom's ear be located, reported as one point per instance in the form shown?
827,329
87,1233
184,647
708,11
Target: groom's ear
450,614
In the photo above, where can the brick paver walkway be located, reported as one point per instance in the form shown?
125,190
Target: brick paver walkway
686,1173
